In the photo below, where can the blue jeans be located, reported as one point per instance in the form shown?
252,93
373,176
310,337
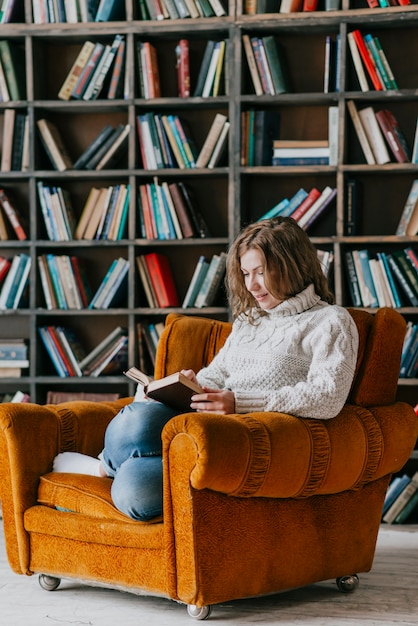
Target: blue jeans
132,456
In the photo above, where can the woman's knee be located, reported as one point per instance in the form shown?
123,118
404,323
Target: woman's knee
137,490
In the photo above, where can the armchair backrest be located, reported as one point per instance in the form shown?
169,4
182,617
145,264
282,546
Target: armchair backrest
192,342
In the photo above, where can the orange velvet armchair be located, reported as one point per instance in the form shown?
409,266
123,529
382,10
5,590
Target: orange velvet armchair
253,504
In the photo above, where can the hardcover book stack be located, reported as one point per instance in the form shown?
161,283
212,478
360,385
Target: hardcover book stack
13,357
70,359
401,502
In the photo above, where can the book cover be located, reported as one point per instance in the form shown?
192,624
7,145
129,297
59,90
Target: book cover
402,280
357,62
267,128
367,60
394,135
73,75
12,57
402,499
162,279
408,222
183,68
361,134
367,289
252,65
211,140
110,10
195,282
374,135
117,76
88,71
54,145
92,148
12,215
175,390
277,64
204,67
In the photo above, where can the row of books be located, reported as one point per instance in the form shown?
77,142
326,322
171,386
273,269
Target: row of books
304,206
65,284
13,357
175,9
370,62
206,281
17,396
57,397
70,359
401,501
15,281
160,288
74,11
148,335
384,279
165,143
381,136
11,11
267,64
97,70
409,360
104,151
105,212
12,71
15,145
167,211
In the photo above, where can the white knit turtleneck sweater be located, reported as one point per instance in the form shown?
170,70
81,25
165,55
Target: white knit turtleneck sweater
298,359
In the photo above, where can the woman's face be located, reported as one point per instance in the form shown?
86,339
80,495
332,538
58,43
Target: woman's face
253,272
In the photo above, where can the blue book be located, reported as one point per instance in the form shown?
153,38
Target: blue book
196,282
110,10
53,352
396,486
275,211
367,288
103,284
393,287
294,202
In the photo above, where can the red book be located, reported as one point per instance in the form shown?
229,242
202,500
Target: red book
311,5
152,75
162,279
117,74
183,68
373,4
4,267
52,332
306,204
393,135
358,38
12,216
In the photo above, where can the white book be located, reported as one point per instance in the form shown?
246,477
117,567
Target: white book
388,288
211,139
255,76
89,93
217,8
383,297
374,135
219,147
22,282
8,281
358,63
333,135
362,137
210,75
113,148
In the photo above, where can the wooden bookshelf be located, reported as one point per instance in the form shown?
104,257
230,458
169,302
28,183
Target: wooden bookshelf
230,195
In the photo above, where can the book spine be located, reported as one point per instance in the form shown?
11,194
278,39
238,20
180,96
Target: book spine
358,38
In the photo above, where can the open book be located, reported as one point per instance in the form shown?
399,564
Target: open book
174,390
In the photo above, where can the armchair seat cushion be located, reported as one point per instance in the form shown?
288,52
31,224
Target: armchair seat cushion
79,493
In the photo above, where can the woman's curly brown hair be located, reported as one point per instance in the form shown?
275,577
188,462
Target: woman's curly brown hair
290,264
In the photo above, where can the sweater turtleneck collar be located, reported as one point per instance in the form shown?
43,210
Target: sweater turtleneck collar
303,301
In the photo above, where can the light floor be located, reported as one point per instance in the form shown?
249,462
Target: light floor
387,595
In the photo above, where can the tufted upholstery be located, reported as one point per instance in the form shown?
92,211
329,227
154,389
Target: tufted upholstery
253,503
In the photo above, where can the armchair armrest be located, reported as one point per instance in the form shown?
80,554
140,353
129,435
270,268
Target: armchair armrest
280,456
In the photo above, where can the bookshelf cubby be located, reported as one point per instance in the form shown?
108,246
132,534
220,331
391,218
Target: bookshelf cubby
230,195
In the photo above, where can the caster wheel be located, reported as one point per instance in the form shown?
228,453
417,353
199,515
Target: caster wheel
197,612
49,583
347,584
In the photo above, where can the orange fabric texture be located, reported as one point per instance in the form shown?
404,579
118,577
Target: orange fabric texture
253,503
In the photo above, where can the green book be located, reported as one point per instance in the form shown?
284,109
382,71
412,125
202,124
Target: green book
13,62
277,64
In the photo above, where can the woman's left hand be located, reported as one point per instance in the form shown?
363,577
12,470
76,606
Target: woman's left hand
220,401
